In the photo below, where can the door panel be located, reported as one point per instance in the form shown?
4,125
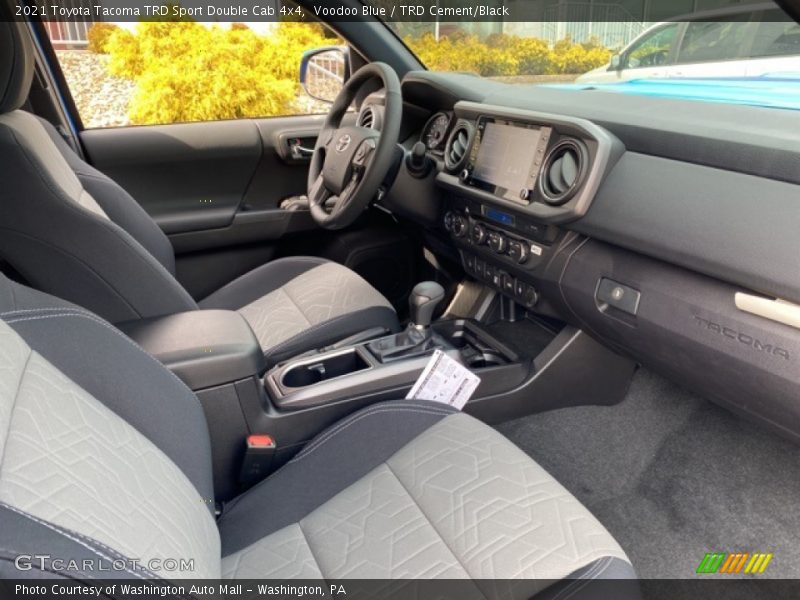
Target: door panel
187,177
215,188
198,176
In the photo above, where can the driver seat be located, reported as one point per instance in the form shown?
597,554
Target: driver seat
73,232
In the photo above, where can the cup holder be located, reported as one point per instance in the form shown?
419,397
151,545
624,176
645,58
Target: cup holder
312,371
484,360
479,349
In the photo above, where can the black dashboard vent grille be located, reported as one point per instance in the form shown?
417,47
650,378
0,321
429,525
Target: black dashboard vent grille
366,118
563,172
458,146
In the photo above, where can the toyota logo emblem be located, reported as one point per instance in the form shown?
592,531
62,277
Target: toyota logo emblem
343,143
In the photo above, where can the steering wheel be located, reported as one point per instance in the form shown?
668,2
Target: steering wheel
350,163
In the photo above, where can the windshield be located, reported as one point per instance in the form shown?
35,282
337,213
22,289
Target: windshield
747,54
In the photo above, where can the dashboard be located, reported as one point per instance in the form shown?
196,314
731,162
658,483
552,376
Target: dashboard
507,179
548,166
640,220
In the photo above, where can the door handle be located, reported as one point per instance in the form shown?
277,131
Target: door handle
299,152
779,311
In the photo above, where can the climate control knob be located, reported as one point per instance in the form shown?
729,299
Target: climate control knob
497,242
478,234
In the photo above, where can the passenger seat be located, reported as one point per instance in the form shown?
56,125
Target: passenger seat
106,455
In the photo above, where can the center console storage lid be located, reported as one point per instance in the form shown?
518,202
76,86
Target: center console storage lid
204,348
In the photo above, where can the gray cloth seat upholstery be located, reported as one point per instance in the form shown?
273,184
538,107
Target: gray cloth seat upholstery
295,304
71,231
106,456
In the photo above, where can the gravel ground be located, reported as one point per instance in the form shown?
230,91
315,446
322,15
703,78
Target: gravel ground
102,99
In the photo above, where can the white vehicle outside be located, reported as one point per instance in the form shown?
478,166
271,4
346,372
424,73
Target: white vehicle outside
747,41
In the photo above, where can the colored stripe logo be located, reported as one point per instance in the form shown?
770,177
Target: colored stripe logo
735,562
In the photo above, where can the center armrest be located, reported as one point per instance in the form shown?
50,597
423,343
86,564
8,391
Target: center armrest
204,348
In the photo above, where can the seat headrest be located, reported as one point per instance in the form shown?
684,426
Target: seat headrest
16,61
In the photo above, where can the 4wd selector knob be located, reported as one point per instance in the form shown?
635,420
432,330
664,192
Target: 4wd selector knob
478,234
498,242
518,251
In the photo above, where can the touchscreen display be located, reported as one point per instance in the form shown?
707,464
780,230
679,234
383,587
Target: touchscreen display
505,156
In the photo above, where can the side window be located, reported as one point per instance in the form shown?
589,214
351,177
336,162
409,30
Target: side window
713,41
653,50
775,36
153,73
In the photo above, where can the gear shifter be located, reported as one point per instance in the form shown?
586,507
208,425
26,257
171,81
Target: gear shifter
417,339
422,303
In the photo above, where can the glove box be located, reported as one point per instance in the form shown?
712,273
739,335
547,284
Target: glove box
688,327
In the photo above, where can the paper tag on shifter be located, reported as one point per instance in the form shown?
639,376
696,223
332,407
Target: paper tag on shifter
445,380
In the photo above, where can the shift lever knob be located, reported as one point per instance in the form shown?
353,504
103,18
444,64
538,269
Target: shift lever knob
422,303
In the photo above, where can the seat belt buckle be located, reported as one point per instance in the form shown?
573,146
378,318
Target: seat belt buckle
258,457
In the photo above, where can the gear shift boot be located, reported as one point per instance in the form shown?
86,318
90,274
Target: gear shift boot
417,339
410,343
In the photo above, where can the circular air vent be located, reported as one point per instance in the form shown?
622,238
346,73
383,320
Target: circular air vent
562,172
458,144
369,118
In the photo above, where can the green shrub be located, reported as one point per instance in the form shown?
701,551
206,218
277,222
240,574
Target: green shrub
185,71
98,36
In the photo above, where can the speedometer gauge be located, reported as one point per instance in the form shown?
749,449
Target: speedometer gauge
435,132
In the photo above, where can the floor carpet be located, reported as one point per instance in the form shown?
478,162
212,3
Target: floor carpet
673,476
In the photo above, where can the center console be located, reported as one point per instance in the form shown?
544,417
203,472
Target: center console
218,356
499,247
387,367
511,178
361,372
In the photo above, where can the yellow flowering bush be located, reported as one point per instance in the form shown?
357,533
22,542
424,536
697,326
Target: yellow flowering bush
460,52
185,71
569,57
507,55
98,35
532,55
